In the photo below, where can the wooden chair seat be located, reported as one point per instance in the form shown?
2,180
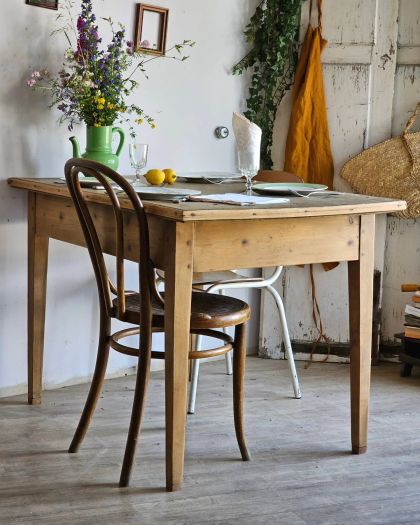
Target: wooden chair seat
207,311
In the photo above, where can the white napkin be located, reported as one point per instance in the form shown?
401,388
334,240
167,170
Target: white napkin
248,137
239,199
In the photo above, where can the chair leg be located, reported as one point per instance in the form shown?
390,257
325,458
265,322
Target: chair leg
95,387
142,380
239,359
195,371
286,339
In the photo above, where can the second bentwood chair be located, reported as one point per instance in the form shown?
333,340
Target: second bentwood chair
145,309
233,280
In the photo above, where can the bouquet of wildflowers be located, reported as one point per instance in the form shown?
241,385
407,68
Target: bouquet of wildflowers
94,83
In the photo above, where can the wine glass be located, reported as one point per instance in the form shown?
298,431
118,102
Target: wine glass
248,164
138,158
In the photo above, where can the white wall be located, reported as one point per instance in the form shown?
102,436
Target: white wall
188,101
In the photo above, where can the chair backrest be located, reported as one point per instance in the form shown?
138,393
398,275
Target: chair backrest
109,178
277,176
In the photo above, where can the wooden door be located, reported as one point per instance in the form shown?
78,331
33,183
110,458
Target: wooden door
372,83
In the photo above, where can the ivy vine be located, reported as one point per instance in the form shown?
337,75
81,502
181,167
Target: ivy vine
273,33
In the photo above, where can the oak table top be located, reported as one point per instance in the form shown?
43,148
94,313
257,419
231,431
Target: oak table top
342,204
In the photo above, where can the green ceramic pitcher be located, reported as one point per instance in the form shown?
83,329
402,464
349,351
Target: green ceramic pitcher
99,145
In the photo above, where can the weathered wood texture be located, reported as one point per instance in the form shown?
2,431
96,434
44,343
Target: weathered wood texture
200,211
402,257
372,83
301,471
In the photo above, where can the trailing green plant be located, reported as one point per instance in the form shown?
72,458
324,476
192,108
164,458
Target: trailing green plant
273,33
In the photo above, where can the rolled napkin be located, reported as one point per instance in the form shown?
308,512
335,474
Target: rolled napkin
248,138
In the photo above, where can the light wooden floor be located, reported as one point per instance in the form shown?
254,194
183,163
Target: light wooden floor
301,473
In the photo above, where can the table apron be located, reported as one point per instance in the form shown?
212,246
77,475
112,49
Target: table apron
57,218
219,245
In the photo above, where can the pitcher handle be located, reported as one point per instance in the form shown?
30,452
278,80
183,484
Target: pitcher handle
121,133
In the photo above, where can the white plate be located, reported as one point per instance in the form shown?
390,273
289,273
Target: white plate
163,193
208,176
288,187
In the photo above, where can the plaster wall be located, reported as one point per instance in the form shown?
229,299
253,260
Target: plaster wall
188,101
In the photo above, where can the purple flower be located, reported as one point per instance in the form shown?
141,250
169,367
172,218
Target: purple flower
80,23
130,47
88,38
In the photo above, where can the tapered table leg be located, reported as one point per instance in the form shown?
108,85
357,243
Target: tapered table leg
360,308
37,288
178,283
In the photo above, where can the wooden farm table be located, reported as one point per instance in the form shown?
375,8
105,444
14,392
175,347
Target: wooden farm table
199,237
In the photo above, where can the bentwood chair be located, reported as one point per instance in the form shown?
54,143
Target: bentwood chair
233,279
145,309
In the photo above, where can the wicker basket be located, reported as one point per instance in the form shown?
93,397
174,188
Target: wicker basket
390,169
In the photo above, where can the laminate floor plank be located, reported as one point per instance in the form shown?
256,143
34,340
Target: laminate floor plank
301,473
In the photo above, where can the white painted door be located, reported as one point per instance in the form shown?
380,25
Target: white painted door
372,82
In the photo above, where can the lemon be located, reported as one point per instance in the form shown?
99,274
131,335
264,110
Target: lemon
155,177
170,175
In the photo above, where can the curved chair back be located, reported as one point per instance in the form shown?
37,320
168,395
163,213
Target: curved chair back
109,178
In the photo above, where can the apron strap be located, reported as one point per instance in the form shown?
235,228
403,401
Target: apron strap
319,2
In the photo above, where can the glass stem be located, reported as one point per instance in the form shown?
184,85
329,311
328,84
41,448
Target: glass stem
248,183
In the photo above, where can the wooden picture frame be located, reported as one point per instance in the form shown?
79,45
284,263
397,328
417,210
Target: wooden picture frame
151,29
47,4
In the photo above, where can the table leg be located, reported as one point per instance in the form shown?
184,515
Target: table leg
178,283
37,288
360,308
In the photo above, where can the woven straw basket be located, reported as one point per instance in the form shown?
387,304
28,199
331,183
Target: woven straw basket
390,169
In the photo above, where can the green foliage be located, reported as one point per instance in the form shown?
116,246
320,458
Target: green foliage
273,33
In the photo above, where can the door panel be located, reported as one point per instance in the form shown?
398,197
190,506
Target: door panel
352,22
402,253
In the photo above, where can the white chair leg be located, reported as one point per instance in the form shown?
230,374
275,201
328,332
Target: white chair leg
228,356
286,340
195,372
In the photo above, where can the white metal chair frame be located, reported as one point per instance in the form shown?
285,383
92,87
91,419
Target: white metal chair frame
247,282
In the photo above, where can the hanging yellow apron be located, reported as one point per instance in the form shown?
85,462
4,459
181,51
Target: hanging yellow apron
308,149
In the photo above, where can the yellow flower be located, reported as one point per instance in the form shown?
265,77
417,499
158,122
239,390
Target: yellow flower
110,106
139,121
153,125
101,100
100,106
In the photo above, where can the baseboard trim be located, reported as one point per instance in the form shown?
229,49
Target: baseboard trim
17,390
338,352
